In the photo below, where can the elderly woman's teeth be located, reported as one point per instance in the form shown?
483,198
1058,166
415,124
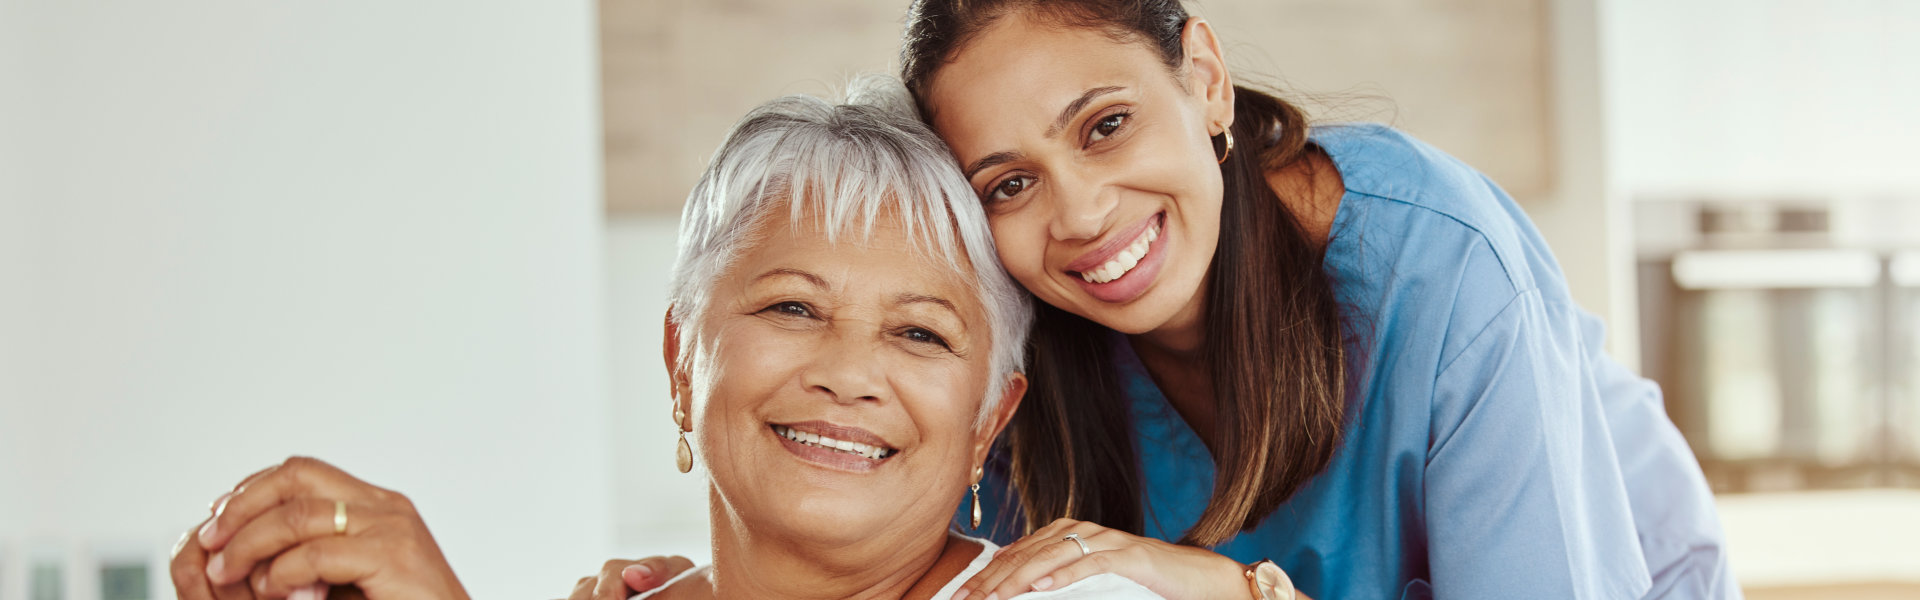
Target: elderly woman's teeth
817,440
1123,262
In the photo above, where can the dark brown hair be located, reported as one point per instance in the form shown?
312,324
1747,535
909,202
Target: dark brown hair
1274,336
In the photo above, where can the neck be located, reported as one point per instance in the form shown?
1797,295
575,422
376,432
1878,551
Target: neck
747,564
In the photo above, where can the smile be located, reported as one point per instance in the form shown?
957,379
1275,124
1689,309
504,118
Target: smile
849,447
1126,260
1126,265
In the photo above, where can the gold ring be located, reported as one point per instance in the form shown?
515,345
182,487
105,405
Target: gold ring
339,517
1075,538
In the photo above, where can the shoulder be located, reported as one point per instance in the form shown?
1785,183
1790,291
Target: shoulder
1400,190
1422,237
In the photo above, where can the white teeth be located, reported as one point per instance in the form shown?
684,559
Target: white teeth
814,439
1125,260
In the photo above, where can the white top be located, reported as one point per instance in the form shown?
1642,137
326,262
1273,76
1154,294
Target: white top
1104,585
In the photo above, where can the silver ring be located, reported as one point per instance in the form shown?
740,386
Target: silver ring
1075,538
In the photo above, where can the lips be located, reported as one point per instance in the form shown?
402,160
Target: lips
1126,265
837,446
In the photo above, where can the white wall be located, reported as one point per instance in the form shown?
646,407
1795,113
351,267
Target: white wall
659,510
1774,98
365,231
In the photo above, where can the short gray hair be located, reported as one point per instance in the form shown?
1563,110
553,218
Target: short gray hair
854,161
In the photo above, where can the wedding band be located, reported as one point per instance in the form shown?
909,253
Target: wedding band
339,517
1075,538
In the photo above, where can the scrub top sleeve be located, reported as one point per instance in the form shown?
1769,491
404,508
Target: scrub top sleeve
1523,495
1673,509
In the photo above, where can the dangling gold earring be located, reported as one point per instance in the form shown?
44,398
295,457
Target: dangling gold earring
682,456
976,497
1226,132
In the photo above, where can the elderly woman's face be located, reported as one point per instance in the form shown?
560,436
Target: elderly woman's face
836,385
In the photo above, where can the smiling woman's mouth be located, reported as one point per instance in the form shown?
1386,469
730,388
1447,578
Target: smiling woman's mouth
868,451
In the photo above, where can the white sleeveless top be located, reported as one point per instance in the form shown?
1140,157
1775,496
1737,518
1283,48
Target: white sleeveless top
1104,585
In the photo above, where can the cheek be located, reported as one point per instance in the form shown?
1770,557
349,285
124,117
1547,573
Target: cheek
1021,239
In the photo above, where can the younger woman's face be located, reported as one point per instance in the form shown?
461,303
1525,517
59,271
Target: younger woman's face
1095,164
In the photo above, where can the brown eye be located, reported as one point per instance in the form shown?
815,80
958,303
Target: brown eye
1013,186
1107,126
925,337
789,309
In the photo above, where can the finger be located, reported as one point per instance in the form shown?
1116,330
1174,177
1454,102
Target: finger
189,569
1012,556
1040,562
298,476
1092,564
653,571
583,589
273,532
333,560
610,585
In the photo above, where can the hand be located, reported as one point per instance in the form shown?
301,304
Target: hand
273,536
1045,561
621,579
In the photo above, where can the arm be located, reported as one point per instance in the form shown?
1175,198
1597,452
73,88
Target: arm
1524,496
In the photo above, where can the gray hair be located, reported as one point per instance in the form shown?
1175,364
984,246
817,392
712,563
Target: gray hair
853,162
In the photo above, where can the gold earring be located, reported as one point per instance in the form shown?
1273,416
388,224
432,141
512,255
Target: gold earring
978,472
1226,132
682,456
976,506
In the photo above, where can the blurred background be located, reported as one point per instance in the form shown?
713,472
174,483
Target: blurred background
427,240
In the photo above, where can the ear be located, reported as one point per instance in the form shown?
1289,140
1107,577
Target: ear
1009,402
670,350
1207,72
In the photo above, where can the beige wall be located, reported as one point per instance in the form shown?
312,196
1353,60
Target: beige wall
1470,76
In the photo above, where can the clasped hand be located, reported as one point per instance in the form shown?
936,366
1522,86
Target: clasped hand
277,535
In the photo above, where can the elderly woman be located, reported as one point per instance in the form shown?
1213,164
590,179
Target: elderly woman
843,348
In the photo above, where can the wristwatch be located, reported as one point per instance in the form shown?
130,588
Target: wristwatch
1268,582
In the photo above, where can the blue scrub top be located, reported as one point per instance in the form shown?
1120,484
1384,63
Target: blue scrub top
1494,450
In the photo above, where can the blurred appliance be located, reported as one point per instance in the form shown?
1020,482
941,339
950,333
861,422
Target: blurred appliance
1783,333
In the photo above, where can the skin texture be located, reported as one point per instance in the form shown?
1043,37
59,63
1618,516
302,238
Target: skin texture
876,334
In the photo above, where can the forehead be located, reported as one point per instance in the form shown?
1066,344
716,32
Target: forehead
885,258
1018,73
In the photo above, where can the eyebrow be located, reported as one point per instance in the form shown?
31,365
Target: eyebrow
1073,108
816,280
1059,123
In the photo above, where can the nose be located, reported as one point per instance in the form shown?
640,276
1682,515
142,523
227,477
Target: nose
847,372
1081,209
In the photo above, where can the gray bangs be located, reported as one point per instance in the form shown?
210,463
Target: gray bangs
849,165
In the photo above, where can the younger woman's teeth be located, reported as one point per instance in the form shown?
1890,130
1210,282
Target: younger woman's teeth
1123,262
820,441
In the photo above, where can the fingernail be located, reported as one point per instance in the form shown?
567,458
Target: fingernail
214,566
214,507
316,591
1042,584
206,531
993,596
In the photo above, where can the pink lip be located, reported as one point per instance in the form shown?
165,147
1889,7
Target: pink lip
1114,245
832,458
1133,284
